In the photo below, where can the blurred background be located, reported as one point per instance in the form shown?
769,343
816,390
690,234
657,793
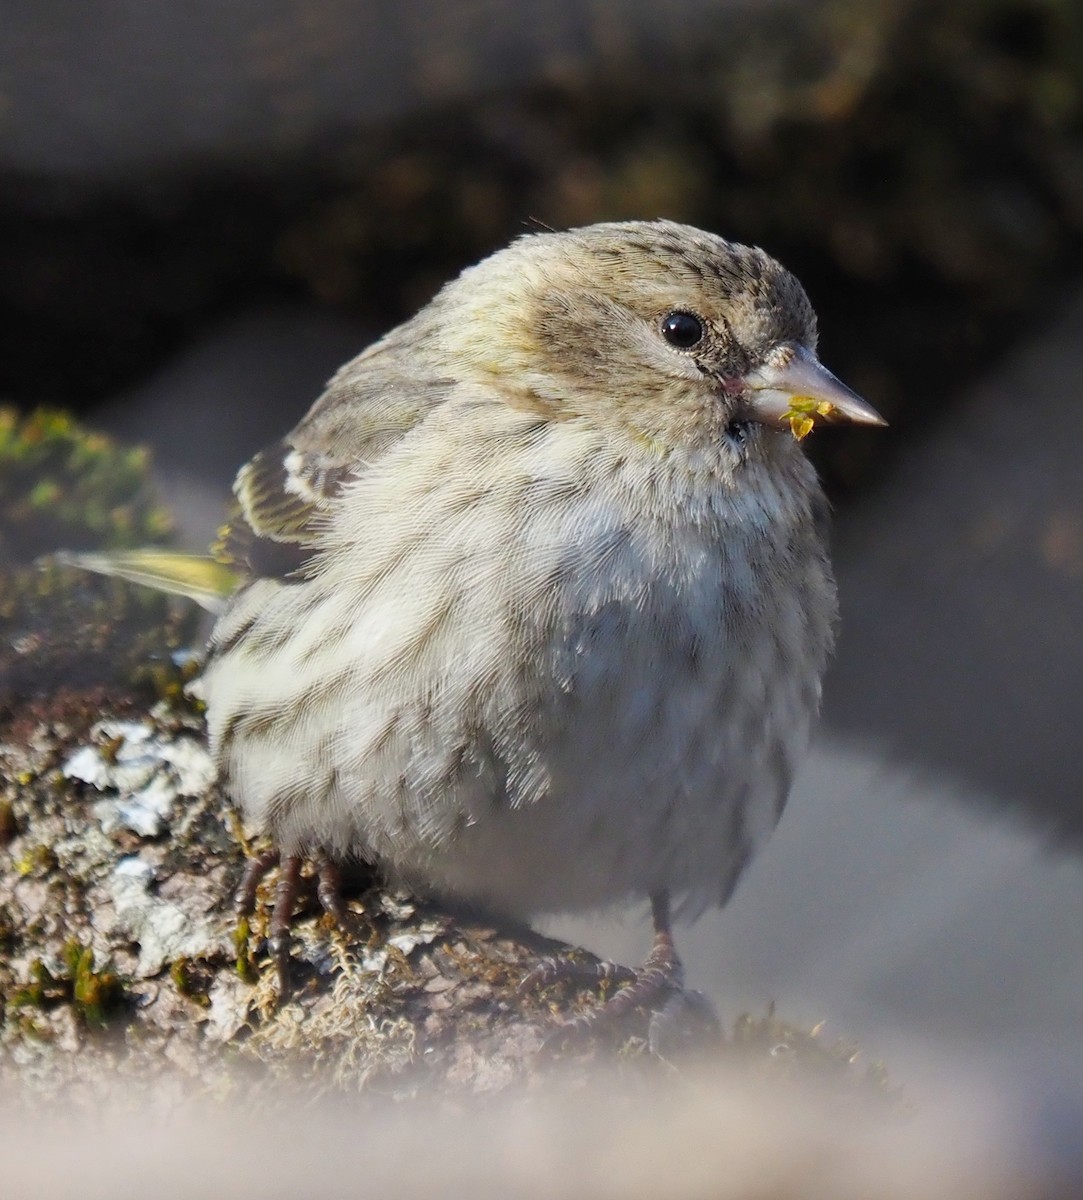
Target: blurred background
205,208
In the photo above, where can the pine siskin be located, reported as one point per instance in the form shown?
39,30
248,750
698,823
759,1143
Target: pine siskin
538,600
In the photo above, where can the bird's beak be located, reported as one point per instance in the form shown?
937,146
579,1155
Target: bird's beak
797,392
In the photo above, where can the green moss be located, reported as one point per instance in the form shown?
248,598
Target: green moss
37,860
64,488
35,993
168,679
93,993
181,973
769,1042
246,959
32,1029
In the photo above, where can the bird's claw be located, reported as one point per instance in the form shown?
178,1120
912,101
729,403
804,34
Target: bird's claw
655,986
287,886
558,969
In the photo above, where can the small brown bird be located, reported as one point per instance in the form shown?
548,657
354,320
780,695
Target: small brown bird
539,601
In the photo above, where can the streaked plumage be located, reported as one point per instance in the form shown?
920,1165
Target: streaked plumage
540,602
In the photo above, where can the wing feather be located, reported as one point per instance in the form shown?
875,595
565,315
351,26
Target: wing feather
283,491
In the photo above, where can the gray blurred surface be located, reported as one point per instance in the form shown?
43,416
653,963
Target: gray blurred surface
93,90
891,907
962,592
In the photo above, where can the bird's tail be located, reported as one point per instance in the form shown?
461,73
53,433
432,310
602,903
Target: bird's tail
199,577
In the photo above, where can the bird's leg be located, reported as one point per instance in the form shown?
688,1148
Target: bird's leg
660,976
244,898
278,931
329,891
661,973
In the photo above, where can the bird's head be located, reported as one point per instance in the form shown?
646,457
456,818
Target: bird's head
679,337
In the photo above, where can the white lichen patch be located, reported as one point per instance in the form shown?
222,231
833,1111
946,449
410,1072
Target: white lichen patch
230,1008
147,770
165,931
425,933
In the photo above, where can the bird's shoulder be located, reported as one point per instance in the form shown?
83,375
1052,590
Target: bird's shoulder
282,494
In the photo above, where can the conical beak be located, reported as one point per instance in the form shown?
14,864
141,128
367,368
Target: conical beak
797,391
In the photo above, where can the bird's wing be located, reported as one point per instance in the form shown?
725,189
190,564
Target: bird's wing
284,490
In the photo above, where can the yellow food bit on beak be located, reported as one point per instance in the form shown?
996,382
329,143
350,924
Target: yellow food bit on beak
803,412
800,426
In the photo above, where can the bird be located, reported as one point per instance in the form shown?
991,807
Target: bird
536,599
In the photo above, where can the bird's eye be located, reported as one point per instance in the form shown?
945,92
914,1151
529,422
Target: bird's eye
737,432
683,330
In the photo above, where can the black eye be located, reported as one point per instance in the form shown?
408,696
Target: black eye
682,330
737,432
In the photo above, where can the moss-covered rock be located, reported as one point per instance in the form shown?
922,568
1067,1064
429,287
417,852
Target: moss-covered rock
63,487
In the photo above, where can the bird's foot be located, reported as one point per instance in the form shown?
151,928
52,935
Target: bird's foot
657,986
679,1020
560,969
287,887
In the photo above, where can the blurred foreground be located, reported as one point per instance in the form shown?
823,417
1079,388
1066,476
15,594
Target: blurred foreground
714,1138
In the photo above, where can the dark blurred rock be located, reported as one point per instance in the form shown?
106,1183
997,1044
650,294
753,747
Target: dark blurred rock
242,386
108,92
919,166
